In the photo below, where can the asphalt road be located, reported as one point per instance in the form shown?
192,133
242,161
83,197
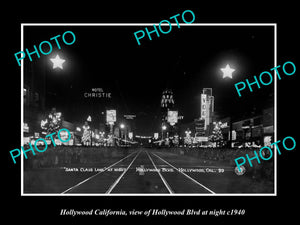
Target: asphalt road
143,171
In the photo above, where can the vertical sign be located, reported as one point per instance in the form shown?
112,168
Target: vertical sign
207,119
203,106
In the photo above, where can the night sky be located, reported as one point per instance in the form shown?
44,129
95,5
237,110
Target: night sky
186,60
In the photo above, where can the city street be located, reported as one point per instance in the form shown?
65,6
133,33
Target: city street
120,113
164,117
143,171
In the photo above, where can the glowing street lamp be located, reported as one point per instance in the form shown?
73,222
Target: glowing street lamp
163,128
122,126
188,133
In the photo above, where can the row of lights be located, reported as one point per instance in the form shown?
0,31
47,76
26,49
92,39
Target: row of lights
122,126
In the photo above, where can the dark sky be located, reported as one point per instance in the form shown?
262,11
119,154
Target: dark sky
185,60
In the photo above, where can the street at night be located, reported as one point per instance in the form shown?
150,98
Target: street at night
150,115
168,116
141,171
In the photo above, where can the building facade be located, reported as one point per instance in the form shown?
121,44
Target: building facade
252,131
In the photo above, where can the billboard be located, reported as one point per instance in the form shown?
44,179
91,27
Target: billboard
111,116
25,127
130,135
172,117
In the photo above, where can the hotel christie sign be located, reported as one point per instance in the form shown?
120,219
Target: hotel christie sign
97,93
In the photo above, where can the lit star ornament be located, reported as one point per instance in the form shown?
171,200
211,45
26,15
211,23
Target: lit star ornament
227,71
57,62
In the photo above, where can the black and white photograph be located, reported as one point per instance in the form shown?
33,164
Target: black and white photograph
149,113
163,117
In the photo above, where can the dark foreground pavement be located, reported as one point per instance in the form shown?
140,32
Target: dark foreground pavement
143,171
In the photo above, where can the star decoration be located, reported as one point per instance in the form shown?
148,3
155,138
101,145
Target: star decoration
57,62
227,71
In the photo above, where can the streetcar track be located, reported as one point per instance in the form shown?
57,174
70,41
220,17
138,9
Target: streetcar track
89,178
116,182
161,176
192,179
120,177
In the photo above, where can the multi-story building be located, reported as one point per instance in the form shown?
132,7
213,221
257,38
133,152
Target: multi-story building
169,115
167,101
33,100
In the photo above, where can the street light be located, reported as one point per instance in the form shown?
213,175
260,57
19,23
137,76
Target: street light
163,128
188,133
122,126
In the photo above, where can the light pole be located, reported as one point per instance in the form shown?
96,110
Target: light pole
89,119
122,126
163,128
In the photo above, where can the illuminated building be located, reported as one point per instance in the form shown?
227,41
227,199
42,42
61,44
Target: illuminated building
33,100
167,103
250,130
167,100
169,115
